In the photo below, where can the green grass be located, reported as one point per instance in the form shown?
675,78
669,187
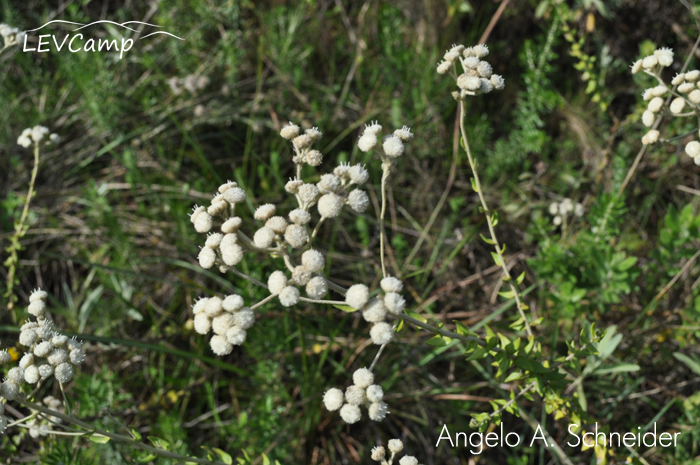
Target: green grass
110,237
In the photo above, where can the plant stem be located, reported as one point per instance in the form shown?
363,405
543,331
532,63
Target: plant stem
386,169
489,221
14,240
93,431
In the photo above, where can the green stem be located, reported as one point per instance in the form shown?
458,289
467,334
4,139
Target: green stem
14,240
489,221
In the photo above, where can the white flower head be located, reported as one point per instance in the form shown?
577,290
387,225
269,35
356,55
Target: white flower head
290,131
333,399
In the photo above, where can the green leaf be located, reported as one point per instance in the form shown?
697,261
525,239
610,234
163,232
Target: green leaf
135,434
474,186
265,460
619,368
438,341
520,278
346,308
487,240
99,439
148,458
691,363
226,458
498,260
159,442
416,316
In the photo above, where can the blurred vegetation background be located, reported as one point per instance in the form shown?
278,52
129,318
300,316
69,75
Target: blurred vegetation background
111,241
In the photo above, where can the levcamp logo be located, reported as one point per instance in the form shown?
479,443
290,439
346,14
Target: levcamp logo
77,42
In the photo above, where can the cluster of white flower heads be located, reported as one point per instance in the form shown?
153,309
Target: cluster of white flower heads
191,83
227,318
476,75
395,446
559,210
392,145
49,354
11,35
362,393
686,89
376,310
303,153
36,135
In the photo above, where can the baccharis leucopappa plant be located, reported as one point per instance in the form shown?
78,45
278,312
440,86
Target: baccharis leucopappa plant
290,240
680,98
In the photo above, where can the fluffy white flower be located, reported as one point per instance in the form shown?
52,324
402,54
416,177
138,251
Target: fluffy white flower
317,288
692,148
444,67
471,62
374,311
677,105
264,237
350,413
31,374
408,460
470,83
203,222
9,390
37,307
293,185
220,345
636,66
649,62
694,96
231,253
357,296
276,282
391,284
222,323
231,225
375,393
480,51
214,307
313,260
206,258
303,141
498,82
264,212
38,295
244,318
355,395
665,58
378,411
484,69
394,303
648,118
314,158
678,79
686,87
213,240
202,323
234,195
330,205
363,378
328,183
277,223
358,200
650,137
333,399
373,128
299,216
301,275
296,235
233,303
692,76
289,296
236,335
378,453
393,147
290,131
381,333
314,133
358,174
64,373
308,193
